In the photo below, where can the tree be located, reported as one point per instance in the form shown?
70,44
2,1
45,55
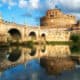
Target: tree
75,37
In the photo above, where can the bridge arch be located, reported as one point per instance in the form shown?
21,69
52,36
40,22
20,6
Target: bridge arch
14,33
43,36
32,35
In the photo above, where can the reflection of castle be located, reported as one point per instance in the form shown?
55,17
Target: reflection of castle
55,26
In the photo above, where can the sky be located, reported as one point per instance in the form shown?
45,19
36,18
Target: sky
29,11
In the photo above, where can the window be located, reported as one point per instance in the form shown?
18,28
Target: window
51,15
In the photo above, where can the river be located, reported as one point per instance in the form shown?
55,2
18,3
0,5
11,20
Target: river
23,63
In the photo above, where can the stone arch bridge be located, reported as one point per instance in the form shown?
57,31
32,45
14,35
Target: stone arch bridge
25,33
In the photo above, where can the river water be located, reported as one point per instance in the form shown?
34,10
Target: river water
23,63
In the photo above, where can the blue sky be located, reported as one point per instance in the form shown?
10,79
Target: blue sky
30,11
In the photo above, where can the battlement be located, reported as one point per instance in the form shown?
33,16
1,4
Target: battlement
54,13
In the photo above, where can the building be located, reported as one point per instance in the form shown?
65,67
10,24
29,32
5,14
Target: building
56,19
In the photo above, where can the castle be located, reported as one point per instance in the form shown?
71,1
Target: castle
56,19
54,26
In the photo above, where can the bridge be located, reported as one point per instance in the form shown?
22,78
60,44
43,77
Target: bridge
22,33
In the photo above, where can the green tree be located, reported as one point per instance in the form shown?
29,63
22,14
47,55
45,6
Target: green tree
75,37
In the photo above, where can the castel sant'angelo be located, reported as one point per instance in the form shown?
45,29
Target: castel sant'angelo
56,19
54,26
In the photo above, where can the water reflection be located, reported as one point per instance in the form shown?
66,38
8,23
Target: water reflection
33,52
14,54
43,49
57,65
3,52
25,63
35,72
19,55
75,48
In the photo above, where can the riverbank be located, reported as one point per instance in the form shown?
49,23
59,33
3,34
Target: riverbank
59,42
30,43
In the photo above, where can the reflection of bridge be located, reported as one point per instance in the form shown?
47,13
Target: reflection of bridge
14,56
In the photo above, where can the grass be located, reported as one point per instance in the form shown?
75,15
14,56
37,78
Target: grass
30,44
59,42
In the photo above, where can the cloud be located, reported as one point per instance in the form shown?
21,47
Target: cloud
71,5
32,4
75,14
4,1
10,3
51,3
23,4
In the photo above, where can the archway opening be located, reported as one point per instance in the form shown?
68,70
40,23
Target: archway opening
14,34
43,36
32,35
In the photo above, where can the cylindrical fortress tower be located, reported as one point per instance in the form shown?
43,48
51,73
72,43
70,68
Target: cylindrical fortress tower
55,18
